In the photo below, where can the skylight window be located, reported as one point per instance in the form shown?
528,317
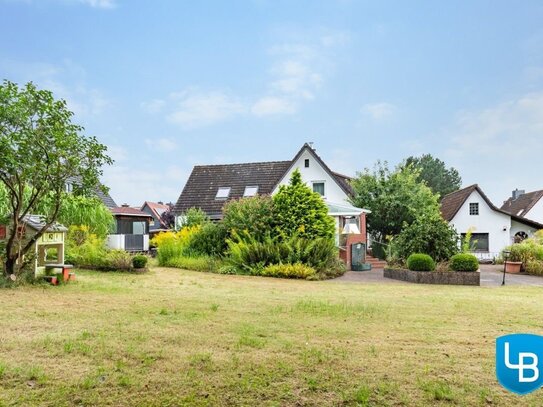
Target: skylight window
223,193
250,191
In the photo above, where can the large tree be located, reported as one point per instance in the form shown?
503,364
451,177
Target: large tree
300,211
40,149
440,179
395,198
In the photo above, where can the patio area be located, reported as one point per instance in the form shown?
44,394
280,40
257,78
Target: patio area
491,276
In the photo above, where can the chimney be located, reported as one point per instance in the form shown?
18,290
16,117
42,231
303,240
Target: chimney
160,203
125,205
517,193
311,145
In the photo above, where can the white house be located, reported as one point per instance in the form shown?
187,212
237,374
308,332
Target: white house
493,229
209,187
526,205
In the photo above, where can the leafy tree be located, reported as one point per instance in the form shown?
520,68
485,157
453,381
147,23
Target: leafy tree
41,150
300,211
193,217
254,216
168,217
440,179
429,234
395,199
79,210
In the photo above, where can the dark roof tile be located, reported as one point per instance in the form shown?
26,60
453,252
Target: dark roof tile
522,205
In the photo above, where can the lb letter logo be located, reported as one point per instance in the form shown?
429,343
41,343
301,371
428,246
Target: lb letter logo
519,362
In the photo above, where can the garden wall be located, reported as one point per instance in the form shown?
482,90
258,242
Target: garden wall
434,277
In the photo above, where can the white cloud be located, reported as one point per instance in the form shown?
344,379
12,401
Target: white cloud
379,111
196,109
100,3
500,146
163,144
135,185
153,106
297,71
271,106
67,80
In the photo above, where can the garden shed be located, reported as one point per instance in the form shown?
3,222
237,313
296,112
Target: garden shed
49,248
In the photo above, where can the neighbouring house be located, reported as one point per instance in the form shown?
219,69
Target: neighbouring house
131,227
156,210
209,187
131,231
493,229
526,205
49,248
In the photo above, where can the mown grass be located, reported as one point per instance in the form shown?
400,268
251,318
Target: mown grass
173,337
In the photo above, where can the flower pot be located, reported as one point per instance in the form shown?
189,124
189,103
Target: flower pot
513,266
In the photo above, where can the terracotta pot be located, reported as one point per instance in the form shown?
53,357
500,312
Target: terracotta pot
513,266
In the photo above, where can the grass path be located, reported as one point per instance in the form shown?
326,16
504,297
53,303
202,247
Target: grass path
173,337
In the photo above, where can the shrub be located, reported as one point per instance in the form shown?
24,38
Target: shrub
250,256
201,263
254,216
534,267
427,234
420,262
464,262
193,217
289,271
529,249
139,261
209,240
118,260
173,244
300,211
85,249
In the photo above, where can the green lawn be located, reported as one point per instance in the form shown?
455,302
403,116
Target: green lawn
174,337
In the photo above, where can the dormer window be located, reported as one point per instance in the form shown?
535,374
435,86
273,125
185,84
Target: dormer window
250,191
222,193
306,163
474,208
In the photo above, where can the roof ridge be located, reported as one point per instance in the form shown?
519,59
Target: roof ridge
246,163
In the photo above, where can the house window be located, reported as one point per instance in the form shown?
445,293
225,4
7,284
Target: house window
69,187
306,163
478,242
223,193
250,191
318,187
474,208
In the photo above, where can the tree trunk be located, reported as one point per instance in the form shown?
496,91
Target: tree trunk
9,267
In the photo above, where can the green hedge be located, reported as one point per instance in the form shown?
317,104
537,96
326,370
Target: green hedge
464,262
420,262
139,261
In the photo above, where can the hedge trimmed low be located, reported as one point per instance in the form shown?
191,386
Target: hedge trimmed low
420,262
464,262
139,261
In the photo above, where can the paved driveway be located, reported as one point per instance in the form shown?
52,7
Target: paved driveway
491,276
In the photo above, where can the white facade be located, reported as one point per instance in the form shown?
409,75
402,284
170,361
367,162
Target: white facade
500,227
536,213
117,242
315,173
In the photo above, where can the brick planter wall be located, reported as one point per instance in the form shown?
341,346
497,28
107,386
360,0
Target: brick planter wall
434,277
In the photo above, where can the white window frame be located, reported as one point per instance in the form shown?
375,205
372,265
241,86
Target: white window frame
225,197
255,187
323,182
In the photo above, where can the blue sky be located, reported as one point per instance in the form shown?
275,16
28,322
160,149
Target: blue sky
170,84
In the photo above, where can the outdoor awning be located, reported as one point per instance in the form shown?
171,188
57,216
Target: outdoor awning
335,209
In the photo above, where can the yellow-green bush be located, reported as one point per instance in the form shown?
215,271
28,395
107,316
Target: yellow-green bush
289,271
